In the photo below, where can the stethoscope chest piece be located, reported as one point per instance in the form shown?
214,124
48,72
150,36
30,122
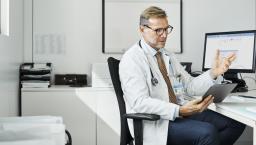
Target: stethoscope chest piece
154,81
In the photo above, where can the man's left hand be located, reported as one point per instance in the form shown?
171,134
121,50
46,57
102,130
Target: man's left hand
221,65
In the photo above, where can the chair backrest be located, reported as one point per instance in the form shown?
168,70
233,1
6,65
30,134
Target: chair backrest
113,65
187,66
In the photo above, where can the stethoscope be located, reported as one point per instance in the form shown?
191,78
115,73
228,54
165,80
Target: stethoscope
154,80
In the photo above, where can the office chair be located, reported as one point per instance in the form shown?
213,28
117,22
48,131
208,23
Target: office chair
187,66
126,138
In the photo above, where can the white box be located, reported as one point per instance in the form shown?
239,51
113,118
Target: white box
29,142
101,76
38,130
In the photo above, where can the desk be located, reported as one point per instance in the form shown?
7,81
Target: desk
92,114
236,109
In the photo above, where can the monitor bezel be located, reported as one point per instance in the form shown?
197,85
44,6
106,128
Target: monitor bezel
252,70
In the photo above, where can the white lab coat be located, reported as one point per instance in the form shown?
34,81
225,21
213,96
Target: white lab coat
142,97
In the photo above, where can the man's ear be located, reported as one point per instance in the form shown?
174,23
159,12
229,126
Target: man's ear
141,29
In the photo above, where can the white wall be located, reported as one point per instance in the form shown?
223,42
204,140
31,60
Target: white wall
68,33
11,56
202,16
76,23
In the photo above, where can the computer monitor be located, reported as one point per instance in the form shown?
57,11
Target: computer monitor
242,43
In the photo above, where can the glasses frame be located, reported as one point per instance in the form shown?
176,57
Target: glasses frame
160,31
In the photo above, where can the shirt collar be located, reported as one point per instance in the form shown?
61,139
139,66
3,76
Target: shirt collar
147,48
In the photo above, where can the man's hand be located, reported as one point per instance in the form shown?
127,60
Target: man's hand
195,106
221,65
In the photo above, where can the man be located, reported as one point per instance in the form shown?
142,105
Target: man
154,82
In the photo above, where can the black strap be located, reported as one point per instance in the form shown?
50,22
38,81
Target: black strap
69,141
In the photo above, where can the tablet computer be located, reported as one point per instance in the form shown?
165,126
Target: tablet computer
219,91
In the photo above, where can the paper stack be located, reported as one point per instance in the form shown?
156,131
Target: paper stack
35,75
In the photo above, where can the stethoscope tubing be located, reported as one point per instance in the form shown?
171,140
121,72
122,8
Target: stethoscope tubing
154,80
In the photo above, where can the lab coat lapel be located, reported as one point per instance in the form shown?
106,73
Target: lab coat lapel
166,59
154,65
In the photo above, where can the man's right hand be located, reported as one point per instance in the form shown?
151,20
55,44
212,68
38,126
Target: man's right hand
195,106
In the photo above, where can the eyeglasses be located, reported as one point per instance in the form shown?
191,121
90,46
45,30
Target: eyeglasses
160,31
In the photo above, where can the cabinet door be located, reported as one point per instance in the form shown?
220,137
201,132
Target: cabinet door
108,119
77,110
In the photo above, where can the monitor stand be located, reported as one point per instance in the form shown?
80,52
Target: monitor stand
241,84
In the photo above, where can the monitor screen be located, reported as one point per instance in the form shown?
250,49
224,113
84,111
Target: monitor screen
242,43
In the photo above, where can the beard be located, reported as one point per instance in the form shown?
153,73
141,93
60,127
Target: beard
156,44
159,45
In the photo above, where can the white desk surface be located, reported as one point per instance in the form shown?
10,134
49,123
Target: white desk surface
238,108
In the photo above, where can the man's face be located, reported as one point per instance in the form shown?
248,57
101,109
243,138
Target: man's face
150,36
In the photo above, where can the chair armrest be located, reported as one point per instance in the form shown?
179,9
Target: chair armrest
138,124
142,116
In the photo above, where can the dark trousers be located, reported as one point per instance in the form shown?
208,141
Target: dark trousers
206,128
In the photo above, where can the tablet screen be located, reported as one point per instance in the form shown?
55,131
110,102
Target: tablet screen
219,91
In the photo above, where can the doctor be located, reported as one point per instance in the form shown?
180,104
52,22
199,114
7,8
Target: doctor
153,81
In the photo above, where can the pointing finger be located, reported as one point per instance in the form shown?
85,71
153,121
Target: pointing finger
217,54
231,57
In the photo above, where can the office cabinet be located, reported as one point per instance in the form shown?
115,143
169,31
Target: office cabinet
90,114
108,120
34,75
